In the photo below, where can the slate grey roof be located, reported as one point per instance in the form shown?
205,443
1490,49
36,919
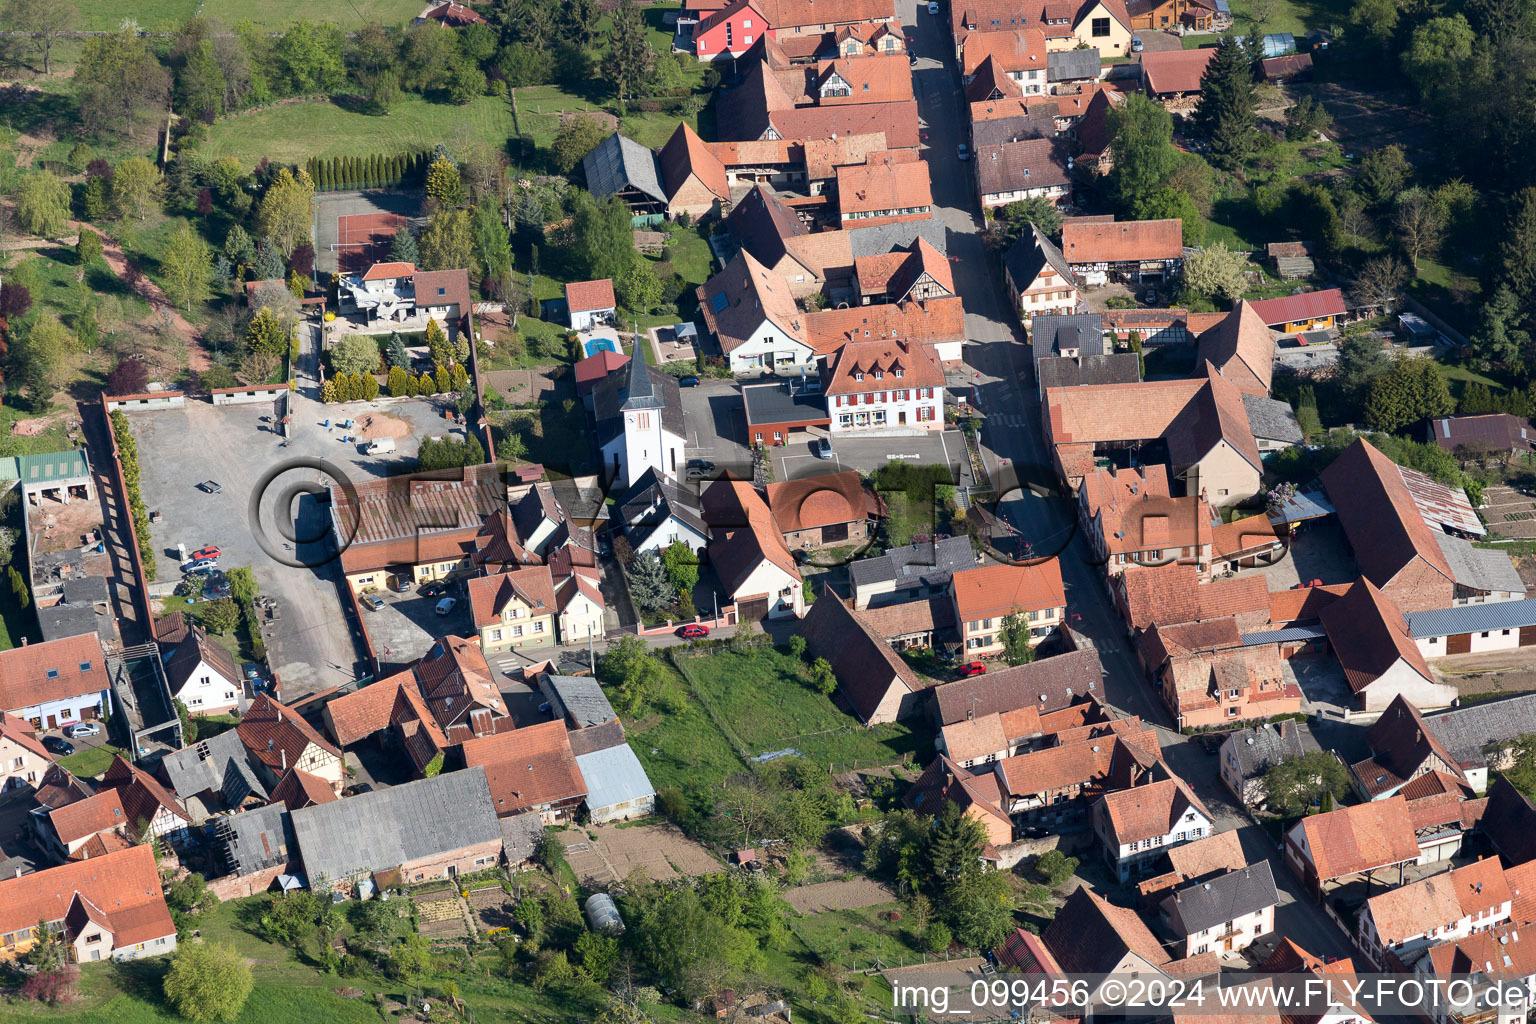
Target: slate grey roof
884,238
1048,684
520,835
581,698
381,830
652,501
617,163
76,613
1065,372
1289,633
1479,568
1465,731
1471,618
1272,419
1227,897
641,390
928,564
1048,335
1028,255
1011,129
1258,750
614,776
218,764
612,392
255,840
1071,65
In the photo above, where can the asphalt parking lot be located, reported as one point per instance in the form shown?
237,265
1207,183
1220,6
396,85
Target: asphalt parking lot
717,425
405,627
313,645
867,454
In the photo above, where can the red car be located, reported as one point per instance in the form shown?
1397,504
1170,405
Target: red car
203,553
972,668
696,631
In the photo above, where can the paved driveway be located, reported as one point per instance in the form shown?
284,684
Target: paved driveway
866,454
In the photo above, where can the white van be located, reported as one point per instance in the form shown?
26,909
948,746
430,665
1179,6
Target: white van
381,446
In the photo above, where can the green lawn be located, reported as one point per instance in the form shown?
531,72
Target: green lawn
770,706
1293,16
166,15
91,762
299,131
686,749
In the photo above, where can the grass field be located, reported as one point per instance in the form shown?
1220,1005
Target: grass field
91,762
685,749
295,132
770,706
165,15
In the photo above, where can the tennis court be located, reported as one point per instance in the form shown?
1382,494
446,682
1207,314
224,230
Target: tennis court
364,239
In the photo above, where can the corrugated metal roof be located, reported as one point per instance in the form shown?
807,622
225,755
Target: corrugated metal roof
1305,505
613,776
1480,568
1443,507
1471,618
1286,635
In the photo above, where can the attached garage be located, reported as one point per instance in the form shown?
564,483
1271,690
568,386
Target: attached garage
753,609
1458,643
1473,628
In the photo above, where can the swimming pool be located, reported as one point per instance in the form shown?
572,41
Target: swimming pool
596,345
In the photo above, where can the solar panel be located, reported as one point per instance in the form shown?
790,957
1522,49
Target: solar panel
719,302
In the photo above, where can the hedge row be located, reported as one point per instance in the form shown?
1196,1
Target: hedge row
128,453
376,171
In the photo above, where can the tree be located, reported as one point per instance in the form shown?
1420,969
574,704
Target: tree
1014,636
42,205
493,246
284,216
242,584
1362,359
465,81
15,300
37,24
47,954
129,377
1498,338
1419,223
1215,270
402,248
648,582
385,91
1140,134
266,333
1037,210
1412,390
512,448
307,58
1438,49
1226,110
1305,118
444,186
208,982
629,62
637,287
238,247
954,845
822,677
118,81
88,249
1377,19
980,910
1300,781
604,240
19,591
355,353
1517,253
1380,280
437,344
302,259
185,264
41,358
448,241
577,137
1055,867
221,616
682,566
137,186
1383,173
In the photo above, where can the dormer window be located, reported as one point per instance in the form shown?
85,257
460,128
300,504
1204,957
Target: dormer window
858,375
879,375
898,371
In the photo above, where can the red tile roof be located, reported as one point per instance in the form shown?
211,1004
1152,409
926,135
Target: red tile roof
1242,349
1287,606
1142,812
20,732
1369,636
1172,594
743,534
783,14
992,591
123,885
365,711
1175,71
883,184
1017,50
455,14
581,296
141,793
94,814
298,790
488,595
684,154
816,501
1379,515
53,670
527,767
927,322
277,735
866,667
1306,306
386,271
594,368
1122,240
1360,838
865,366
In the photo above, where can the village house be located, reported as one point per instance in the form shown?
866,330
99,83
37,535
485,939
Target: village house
1038,278
918,272
1309,311
975,793
914,625
202,675
1131,518
1364,839
151,809
1381,662
1102,24
213,774
590,721
530,769
879,385
1047,685
1069,69
935,326
753,316
1056,786
693,176
92,827
1241,349
1018,53
280,741
617,787
747,550
1136,250
1172,595
1092,937
1226,913
54,683
763,109
23,759
1074,351
912,572
1247,754
1491,435
1196,861
1464,743
877,684
730,31
441,827
1508,961
985,596
1173,77
818,511
1026,169
1447,906
1137,825
885,190
514,609
657,513
106,908
590,304
1209,675
777,237
1176,15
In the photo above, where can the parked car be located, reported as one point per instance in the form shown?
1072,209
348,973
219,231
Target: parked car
433,590
701,464
216,588
963,151
687,382
446,605
371,602
822,447
55,745
207,551
933,7
972,668
361,787
911,60
209,487
693,631
399,584
206,569
1136,44
82,729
